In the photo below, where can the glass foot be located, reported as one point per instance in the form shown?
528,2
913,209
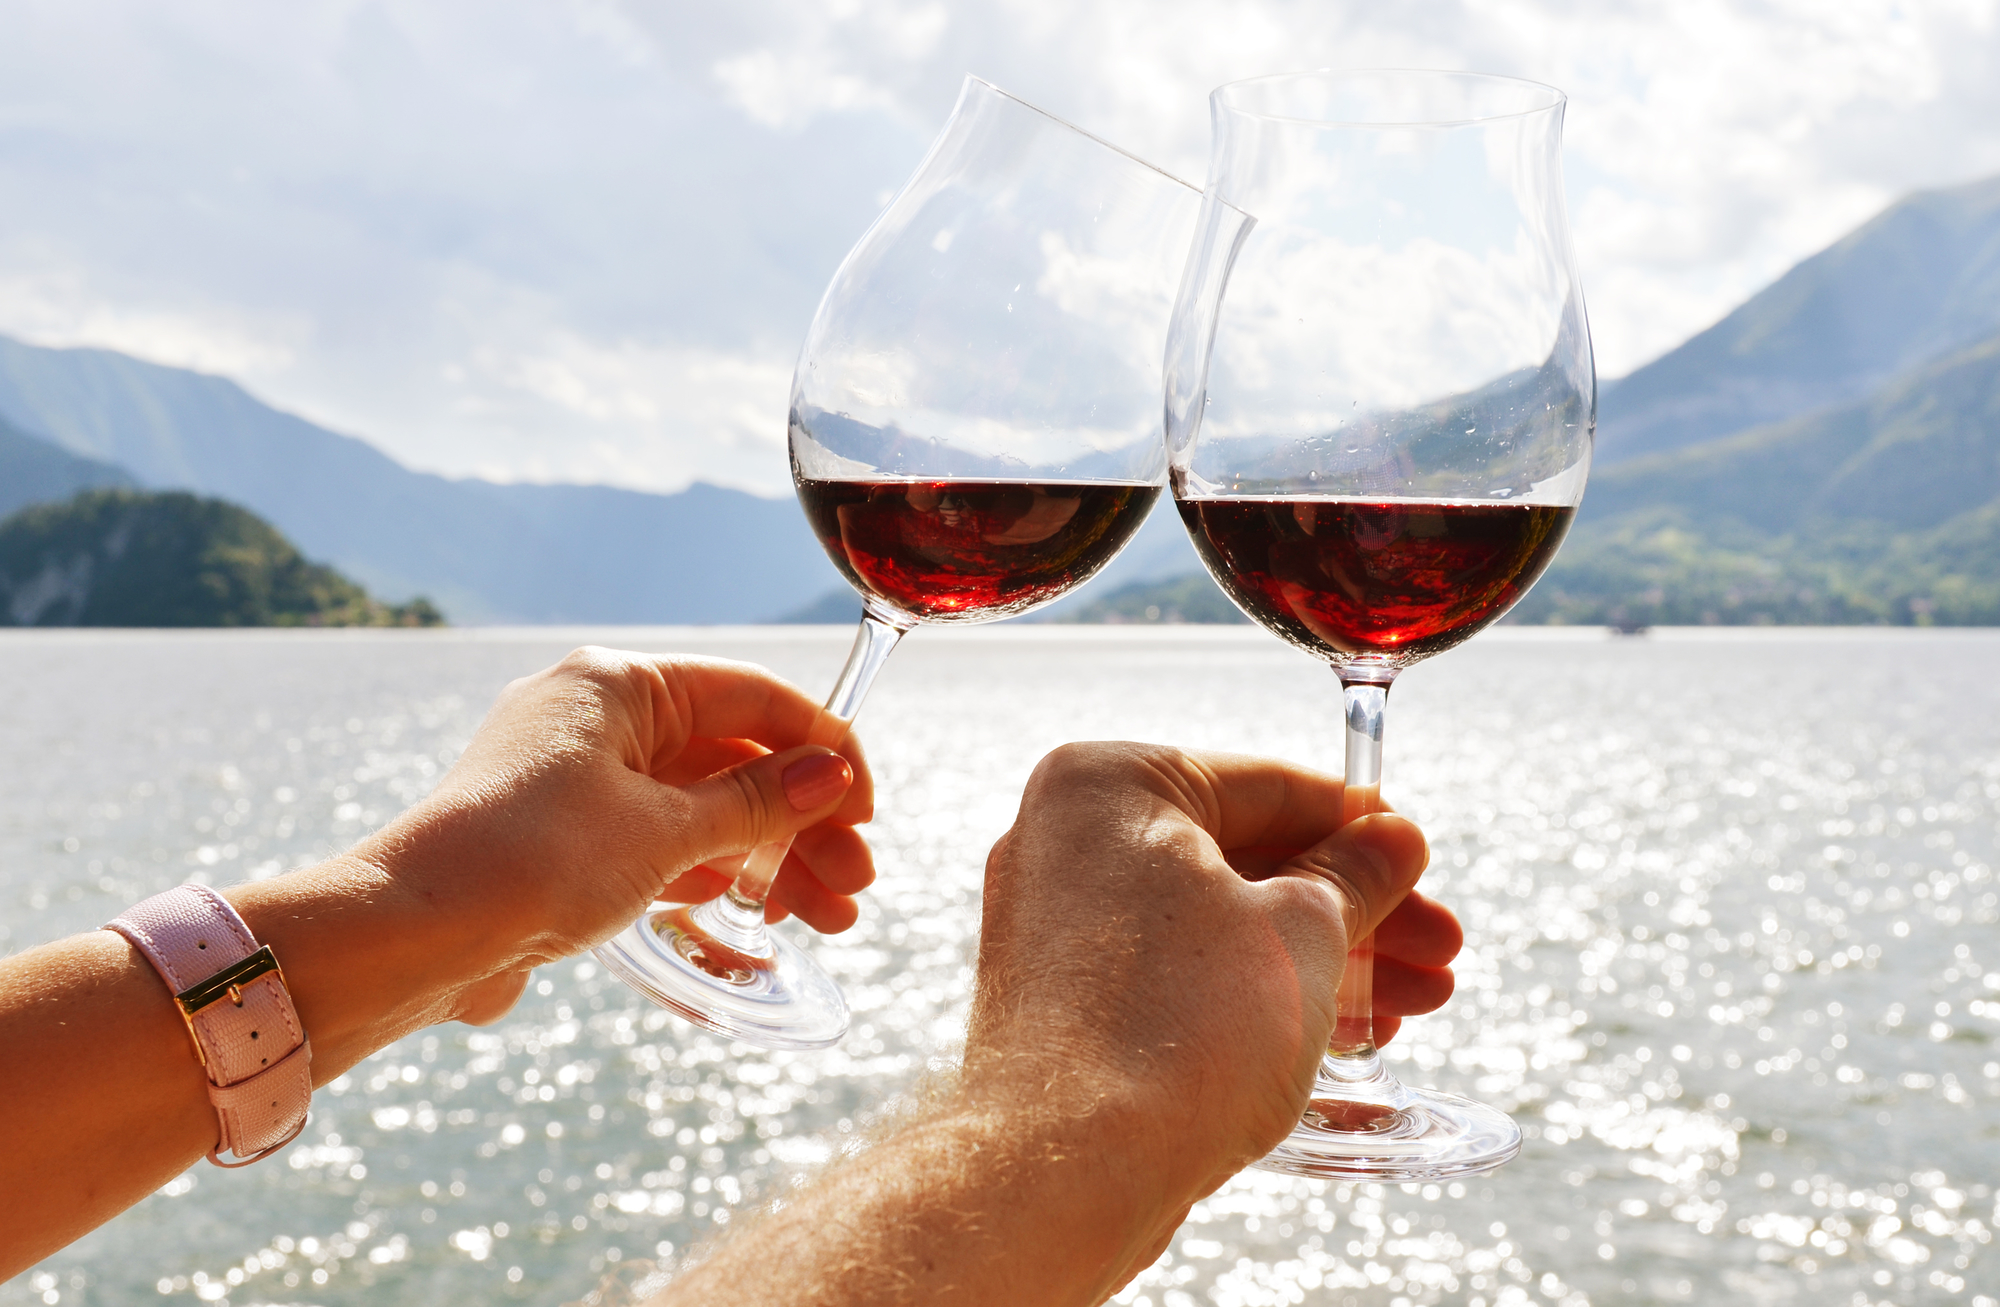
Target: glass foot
1372,1127
774,999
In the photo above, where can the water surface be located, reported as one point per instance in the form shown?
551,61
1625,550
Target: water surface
1733,960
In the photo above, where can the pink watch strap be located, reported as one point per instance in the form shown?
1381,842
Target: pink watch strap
233,997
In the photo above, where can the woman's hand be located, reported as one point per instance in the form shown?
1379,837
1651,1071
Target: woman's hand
591,789
614,779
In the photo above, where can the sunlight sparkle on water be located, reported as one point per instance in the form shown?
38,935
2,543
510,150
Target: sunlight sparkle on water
1730,904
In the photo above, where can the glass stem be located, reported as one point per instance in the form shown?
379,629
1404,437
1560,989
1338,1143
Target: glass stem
1351,1051
737,918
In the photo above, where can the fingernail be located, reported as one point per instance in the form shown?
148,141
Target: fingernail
816,781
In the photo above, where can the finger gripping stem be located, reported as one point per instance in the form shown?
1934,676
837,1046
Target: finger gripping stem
1354,1024
873,643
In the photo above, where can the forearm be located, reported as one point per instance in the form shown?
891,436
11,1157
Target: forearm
104,1097
968,1205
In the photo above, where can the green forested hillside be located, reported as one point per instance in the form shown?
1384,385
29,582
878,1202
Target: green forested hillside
128,558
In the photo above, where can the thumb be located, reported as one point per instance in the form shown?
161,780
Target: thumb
762,800
1372,863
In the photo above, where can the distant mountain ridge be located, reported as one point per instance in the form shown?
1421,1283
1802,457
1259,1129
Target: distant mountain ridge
1886,509
1829,452
1919,281
484,552
34,471
1917,452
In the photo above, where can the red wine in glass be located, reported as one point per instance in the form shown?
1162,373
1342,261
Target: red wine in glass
1376,457
1400,579
971,550
974,431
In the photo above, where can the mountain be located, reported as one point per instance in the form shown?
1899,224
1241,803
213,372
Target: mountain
1886,509
1824,453
34,471
1920,450
129,558
1827,453
1919,281
484,552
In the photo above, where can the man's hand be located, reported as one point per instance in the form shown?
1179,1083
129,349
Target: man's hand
1163,935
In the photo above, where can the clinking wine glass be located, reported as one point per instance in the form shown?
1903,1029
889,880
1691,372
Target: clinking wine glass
1380,401
975,431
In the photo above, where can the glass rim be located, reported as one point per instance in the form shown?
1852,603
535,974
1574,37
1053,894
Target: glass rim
971,78
1220,96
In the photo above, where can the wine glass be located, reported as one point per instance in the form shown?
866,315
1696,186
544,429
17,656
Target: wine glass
1380,401
975,431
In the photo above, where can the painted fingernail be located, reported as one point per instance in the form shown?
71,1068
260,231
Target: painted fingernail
816,781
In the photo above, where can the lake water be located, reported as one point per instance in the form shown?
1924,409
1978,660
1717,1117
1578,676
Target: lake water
1733,960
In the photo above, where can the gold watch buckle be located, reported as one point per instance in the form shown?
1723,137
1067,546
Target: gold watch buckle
228,983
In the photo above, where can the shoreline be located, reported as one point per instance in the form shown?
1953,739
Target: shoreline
999,633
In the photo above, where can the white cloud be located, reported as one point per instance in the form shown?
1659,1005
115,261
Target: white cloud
1442,320
59,311
648,416
1712,143
787,92
584,240
50,299
786,89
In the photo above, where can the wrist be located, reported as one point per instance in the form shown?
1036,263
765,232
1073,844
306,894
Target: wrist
367,956
983,1199
1066,1104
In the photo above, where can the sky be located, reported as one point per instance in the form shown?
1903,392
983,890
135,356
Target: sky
581,240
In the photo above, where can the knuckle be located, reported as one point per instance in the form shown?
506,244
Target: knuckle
998,856
1065,769
1074,756
1329,866
1314,897
750,799
1106,761
594,671
1346,894
586,659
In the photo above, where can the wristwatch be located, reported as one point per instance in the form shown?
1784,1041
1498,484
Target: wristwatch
233,997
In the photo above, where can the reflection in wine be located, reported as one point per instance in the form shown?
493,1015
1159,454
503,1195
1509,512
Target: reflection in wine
972,550
1395,578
